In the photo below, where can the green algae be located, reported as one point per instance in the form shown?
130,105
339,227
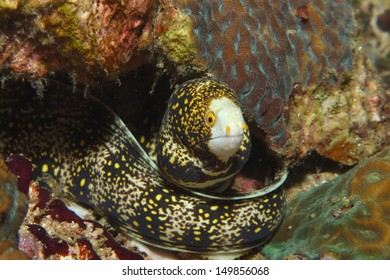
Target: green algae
178,43
68,23
8,5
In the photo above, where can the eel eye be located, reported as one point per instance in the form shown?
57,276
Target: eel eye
210,119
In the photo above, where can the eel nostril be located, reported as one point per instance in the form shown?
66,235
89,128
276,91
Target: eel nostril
228,129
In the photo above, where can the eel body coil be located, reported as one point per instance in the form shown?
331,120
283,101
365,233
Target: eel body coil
91,153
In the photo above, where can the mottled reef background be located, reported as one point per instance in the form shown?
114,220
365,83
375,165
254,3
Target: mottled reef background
313,77
304,70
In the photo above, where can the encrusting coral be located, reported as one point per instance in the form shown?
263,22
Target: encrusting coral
346,218
89,40
13,207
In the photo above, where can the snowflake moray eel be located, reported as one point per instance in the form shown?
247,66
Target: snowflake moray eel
96,160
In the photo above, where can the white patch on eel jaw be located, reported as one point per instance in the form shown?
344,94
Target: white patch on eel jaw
228,129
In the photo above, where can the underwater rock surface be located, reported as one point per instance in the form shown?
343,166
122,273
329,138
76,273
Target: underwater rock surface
52,231
13,208
346,218
373,17
90,40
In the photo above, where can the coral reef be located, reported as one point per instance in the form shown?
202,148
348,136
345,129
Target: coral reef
89,40
13,207
298,70
175,41
306,79
346,218
346,124
374,22
52,231
262,48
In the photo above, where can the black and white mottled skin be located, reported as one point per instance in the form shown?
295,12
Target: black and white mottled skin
95,159
192,126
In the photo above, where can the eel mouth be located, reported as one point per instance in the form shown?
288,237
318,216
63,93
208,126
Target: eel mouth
237,138
225,146
233,138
